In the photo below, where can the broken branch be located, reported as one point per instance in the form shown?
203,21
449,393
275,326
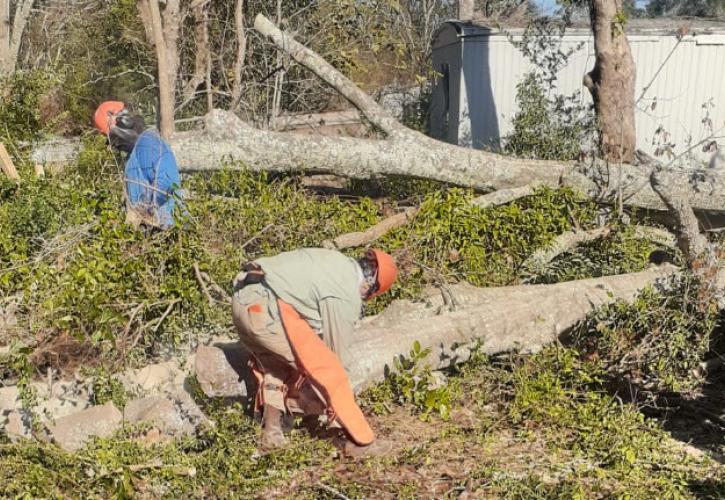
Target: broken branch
361,238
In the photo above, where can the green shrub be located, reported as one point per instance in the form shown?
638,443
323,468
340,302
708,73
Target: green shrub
658,340
415,384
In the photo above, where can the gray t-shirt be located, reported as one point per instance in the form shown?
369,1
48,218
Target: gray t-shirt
323,286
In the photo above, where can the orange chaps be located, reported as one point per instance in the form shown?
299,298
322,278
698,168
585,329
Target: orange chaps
322,368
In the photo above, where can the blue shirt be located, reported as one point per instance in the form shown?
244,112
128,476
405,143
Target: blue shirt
152,178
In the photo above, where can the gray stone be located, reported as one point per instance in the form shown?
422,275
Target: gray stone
216,375
157,378
18,425
161,412
9,399
71,432
178,415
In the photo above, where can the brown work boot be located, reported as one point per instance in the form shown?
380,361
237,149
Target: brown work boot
272,434
377,448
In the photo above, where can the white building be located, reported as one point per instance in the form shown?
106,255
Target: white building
474,98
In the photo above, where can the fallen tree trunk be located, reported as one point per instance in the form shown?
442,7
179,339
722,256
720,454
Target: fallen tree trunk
227,137
515,318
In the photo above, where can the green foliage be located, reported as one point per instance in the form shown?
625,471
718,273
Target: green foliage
548,125
548,128
105,387
221,459
415,384
658,340
20,106
451,239
561,393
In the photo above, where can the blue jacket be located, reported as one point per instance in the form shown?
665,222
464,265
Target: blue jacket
152,178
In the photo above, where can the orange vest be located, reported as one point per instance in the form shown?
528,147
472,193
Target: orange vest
324,370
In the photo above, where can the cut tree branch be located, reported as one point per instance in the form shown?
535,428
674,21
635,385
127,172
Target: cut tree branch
361,238
503,196
563,243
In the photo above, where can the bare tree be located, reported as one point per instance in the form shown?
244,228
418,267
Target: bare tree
11,31
163,29
612,80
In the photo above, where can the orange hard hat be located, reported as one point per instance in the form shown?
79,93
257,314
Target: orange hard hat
387,270
104,117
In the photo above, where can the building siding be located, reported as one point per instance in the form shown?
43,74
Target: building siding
491,67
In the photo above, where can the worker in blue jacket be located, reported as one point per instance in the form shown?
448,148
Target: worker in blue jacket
151,175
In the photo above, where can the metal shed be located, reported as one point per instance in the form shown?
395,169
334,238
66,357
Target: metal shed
478,68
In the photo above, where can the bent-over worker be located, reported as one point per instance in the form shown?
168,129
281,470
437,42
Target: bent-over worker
295,314
151,175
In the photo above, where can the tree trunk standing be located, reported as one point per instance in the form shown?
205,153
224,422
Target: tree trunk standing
11,33
241,53
465,10
165,33
202,57
612,81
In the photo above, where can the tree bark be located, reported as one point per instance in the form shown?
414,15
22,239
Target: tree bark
515,318
612,81
202,55
11,33
165,31
465,10
239,26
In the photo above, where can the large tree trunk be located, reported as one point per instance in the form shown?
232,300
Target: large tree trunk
612,80
226,136
515,318
11,33
455,319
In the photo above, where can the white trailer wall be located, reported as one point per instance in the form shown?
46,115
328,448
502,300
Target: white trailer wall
491,68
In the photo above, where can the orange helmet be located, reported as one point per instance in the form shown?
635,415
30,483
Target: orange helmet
387,270
104,117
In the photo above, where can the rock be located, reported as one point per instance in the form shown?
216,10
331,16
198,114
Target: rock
176,416
152,437
72,431
216,375
161,412
18,425
158,378
9,400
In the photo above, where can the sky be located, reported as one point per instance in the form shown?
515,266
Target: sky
549,6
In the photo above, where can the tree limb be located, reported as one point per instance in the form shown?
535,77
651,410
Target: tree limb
503,196
563,243
378,116
361,238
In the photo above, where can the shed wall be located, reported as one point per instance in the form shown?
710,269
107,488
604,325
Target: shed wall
691,77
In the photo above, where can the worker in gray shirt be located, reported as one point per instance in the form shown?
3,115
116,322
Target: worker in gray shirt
295,313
